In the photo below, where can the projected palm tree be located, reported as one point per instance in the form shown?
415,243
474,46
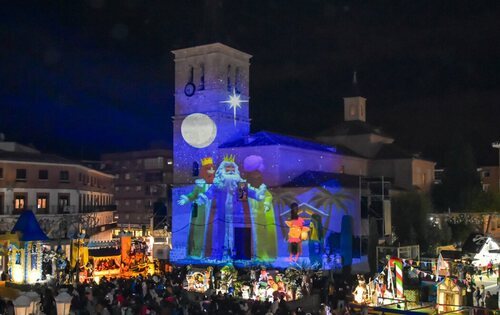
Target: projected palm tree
337,200
330,201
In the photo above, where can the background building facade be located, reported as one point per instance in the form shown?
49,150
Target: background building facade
66,197
142,179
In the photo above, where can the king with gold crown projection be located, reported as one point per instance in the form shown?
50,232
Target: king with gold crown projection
219,209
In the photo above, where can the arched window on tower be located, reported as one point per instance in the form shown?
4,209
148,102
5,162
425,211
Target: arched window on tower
196,169
202,77
237,80
229,86
191,74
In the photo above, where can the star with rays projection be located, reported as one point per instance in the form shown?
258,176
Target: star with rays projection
234,102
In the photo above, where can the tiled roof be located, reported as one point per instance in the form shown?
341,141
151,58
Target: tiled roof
392,151
264,138
351,128
34,157
316,178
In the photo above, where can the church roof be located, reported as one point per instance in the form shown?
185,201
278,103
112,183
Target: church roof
352,128
392,151
317,178
27,225
264,138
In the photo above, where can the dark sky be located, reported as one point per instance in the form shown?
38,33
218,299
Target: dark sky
83,77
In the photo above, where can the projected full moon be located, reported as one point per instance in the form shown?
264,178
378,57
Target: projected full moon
198,130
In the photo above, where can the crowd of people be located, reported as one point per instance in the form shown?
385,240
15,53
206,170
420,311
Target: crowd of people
163,295
166,294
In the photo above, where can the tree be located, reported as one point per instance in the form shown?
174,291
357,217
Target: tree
372,244
461,186
409,217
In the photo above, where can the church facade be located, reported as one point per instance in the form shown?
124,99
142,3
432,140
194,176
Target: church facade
266,197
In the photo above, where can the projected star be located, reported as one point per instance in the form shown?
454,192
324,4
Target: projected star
234,102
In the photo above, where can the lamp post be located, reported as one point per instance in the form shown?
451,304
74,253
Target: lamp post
63,302
22,305
35,299
496,145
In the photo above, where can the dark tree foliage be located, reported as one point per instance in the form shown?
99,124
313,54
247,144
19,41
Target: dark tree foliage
460,190
372,244
409,218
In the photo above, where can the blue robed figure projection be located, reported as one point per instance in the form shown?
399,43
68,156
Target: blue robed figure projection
228,211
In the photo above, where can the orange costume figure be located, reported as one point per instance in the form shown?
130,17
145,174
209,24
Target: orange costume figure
297,232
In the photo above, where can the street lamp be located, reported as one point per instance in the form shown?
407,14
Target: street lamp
22,305
35,299
496,145
63,302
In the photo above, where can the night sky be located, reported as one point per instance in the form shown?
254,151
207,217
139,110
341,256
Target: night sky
81,78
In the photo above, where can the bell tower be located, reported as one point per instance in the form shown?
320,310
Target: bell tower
211,104
355,104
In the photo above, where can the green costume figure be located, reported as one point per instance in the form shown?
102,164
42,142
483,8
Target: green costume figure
199,209
264,226
261,211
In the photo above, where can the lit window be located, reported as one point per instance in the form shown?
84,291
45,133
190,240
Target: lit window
138,188
117,188
127,176
127,203
42,201
170,162
127,188
19,201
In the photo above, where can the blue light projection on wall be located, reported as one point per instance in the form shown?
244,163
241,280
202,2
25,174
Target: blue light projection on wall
229,214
